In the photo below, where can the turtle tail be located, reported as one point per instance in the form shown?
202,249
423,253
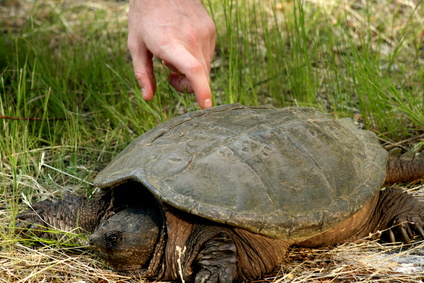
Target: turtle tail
405,167
46,219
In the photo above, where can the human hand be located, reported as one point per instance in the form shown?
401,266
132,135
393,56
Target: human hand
182,35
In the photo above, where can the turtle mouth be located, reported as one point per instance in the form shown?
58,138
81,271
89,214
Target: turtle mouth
121,259
111,246
120,263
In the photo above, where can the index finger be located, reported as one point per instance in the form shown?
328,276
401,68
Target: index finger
196,72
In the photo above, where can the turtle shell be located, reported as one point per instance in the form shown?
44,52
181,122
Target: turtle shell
287,173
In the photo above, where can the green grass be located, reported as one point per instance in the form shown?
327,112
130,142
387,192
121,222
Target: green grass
309,55
65,71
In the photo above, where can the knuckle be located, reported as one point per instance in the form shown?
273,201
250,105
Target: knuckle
211,28
140,76
195,67
132,44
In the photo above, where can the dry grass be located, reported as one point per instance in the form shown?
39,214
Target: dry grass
365,261
358,262
52,264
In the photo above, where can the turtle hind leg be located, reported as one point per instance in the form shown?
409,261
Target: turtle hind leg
72,214
400,215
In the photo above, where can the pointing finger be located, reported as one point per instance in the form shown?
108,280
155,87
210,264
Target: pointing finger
196,73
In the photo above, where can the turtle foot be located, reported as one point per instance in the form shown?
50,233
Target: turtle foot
405,229
404,215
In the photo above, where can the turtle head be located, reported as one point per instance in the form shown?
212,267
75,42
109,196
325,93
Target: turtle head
127,239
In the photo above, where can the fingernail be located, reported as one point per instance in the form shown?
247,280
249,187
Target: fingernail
143,93
207,103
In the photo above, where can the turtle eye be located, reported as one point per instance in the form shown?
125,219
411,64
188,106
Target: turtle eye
112,239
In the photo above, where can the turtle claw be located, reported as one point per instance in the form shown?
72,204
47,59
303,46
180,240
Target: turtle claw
406,230
392,237
404,234
420,230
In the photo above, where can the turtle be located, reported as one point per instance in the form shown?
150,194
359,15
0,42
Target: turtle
218,195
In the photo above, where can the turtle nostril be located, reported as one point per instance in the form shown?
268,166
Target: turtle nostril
94,239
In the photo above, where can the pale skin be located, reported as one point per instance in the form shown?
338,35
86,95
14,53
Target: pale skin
181,34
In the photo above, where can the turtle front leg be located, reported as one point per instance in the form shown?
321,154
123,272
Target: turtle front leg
217,260
71,214
401,214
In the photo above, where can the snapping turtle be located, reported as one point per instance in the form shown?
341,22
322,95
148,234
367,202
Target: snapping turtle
218,195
